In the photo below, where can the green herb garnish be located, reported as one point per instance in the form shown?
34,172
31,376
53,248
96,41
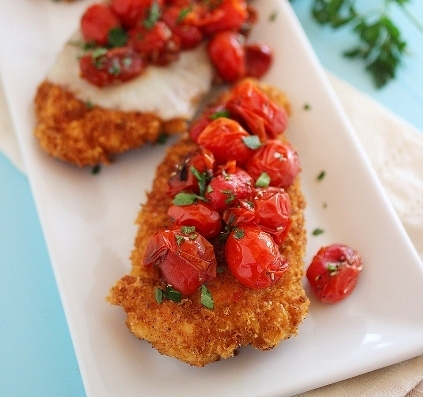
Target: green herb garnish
263,180
220,113
154,15
206,298
239,234
117,37
252,141
321,175
187,198
317,231
381,45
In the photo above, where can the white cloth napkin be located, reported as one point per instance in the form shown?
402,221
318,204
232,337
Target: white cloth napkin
395,149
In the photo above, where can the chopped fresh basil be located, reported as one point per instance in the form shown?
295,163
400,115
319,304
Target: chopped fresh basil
317,231
153,15
306,106
117,37
273,16
206,298
159,295
321,175
169,293
183,198
239,234
252,141
96,169
201,178
220,113
162,138
263,180
183,13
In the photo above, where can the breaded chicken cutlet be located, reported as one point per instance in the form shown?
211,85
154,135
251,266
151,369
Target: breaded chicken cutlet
241,316
84,134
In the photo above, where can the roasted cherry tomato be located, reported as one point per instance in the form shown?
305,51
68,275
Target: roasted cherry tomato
147,40
258,58
114,66
254,109
185,258
224,15
207,116
206,220
240,215
225,189
226,52
190,171
225,138
189,34
133,12
333,272
96,23
254,258
272,211
278,159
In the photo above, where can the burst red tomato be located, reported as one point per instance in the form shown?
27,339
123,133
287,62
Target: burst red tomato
258,58
224,15
189,34
96,23
278,159
207,116
226,52
333,272
254,258
185,258
225,189
114,66
186,176
272,211
205,219
146,41
225,138
253,108
133,12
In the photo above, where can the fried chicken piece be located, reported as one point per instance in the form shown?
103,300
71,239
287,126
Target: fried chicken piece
74,131
241,316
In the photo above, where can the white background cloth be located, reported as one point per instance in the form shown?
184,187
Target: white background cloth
395,149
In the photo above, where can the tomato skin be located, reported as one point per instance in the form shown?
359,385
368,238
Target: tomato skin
146,41
258,59
228,15
189,34
206,117
272,211
115,66
254,258
252,107
132,12
183,179
278,159
96,23
333,272
206,220
224,138
224,190
186,260
227,54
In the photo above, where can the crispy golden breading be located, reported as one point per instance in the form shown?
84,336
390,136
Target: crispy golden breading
74,131
241,316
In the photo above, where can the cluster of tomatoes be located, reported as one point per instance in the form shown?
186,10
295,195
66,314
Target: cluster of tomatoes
125,36
232,187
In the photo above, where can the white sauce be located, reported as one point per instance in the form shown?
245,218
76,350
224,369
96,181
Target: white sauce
170,92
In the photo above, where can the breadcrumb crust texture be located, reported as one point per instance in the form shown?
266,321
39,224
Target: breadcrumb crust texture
242,316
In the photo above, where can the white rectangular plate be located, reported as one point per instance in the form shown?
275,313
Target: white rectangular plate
88,221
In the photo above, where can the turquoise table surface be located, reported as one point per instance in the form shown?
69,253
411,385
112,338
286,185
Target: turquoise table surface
36,353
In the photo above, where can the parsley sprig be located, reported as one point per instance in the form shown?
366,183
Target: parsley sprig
380,42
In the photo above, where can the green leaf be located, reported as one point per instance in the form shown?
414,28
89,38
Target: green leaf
252,141
263,180
117,37
206,298
153,15
186,198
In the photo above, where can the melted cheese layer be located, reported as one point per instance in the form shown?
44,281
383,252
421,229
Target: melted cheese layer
171,91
